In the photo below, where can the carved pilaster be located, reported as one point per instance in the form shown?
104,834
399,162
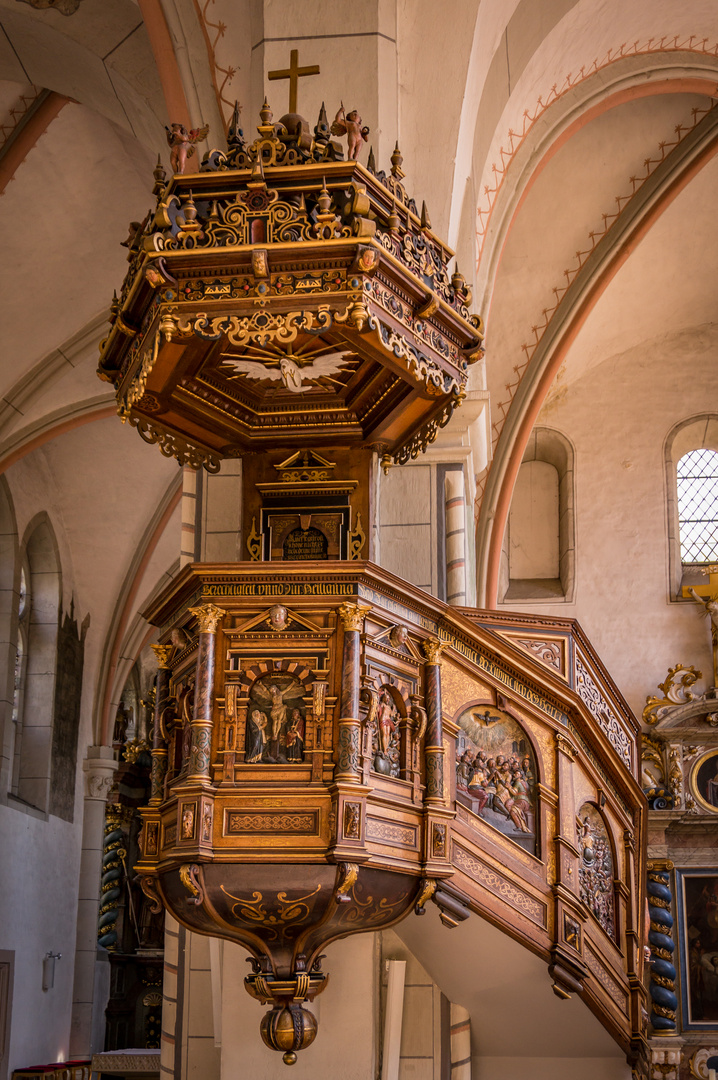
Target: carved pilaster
348,764
434,746
209,617
159,748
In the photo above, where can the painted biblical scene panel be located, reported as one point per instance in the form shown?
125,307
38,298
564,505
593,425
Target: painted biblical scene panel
496,773
704,781
276,718
595,870
698,910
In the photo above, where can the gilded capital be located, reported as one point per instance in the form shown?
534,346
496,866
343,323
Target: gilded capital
209,616
162,654
433,649
353,615
565,746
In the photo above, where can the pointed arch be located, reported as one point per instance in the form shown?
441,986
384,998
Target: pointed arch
33,735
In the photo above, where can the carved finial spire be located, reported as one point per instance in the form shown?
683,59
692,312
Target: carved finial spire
371,163
160,177
257,178
235,134
321,130
325,200
425,220
266,114
394,219
396,160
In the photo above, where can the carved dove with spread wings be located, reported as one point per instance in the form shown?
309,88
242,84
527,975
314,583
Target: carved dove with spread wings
292,375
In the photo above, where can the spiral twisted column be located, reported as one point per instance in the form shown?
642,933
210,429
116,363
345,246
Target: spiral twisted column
159,746
662,989
349,764
113,848
209,616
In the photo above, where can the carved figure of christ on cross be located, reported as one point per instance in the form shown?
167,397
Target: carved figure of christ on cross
294,73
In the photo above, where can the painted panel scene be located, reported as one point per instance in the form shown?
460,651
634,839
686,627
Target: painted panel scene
276,719
496,773
705,781
700,906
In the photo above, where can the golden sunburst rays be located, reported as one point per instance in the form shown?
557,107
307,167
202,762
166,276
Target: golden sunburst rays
271,356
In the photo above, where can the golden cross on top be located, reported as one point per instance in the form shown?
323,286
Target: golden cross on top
294,73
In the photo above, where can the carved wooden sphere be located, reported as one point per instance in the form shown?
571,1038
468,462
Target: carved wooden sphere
288,1028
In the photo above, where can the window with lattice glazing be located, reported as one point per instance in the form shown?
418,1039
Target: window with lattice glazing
697,484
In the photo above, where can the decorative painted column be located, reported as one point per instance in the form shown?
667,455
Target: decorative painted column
159,746
209,617
349,764
434,745
92,977
662,989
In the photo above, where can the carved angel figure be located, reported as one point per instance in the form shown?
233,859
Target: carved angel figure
292,376
350,124
181,143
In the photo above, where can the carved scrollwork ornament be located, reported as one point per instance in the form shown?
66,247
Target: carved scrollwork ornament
427,888
349,874
148,884
191,877
254,543
208,616
356,539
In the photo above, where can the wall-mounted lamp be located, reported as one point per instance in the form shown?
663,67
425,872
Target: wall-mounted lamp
48,969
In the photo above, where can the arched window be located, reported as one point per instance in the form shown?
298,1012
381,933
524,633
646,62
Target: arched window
697,491
18,696
37,667
9,585
691,464
538,561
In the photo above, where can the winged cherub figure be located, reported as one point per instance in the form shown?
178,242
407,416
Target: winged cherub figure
350,124
292,376
181,143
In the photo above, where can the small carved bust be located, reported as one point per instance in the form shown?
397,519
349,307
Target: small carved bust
398,636
278,617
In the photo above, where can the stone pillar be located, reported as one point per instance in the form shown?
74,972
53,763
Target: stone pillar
434,744
92,973
455,534
159,746
191,513
209,617
349,764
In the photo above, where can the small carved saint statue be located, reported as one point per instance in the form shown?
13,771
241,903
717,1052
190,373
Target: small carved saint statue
386,757
350,124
